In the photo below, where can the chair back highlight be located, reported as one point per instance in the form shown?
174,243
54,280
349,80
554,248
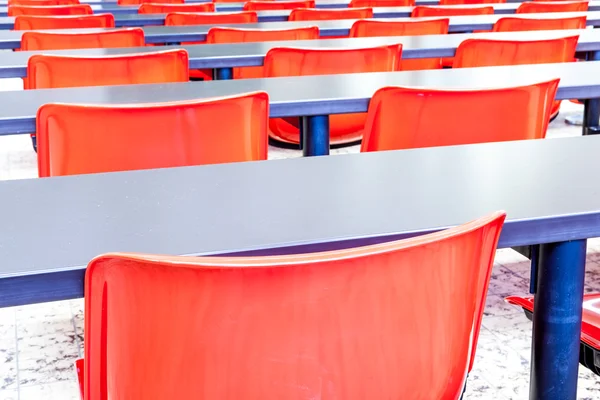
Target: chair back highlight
400,118
512,24
381,3
160,8
179,18
320,14
79,139
76,9
345,128
42,2
427,11
278,5
133,37
555,6
279,327
38,22
136,2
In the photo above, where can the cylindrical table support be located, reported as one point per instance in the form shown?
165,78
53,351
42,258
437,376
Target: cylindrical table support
315,135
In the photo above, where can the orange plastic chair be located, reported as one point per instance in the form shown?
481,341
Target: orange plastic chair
485,52
233,35
381,3
76,9
370,28
511,24
277,5
136,2
133,37
42,2
80,139
538,7
30,22
400,118
314,14
427,11
279,327
346,128
472,2
160,8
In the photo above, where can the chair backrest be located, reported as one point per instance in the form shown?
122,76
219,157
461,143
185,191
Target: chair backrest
365,28
314,14
160,8
278,5
367,321
236,35
133,37
285,61
489,52
538,7
80,139
177,19
75,9
136,2
29,22
512,24
400,118
427,11
46,71
42,2
381,3
457,2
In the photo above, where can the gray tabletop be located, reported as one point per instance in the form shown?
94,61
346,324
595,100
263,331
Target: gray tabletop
44,245
303,96
252,54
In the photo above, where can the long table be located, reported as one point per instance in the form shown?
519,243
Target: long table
313,98
52,227
127,15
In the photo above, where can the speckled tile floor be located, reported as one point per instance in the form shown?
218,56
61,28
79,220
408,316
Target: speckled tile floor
39,343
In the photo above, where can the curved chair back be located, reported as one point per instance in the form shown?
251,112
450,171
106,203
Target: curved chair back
30,22
400,118
160,8
427,11
179,18
320,14
42,2
79,139
345,128
76,9
278,5
558,6
137,2
512,24
367,321
471,2
381,3
133,37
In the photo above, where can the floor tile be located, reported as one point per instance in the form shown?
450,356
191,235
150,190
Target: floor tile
51,391
8,364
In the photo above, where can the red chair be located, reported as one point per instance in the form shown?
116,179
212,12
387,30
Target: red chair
427,11
321,14
401,118
512,24
136,2
30,22
277,5
370,28
132,37
484,52
470,2
381,3
76,9
160,8
345,128
80,139
42,2
537,7
589,351
279,327
232,35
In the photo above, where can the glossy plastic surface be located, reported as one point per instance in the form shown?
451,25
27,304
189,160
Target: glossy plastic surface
135,2
159,8
455,2
179,18
277,5
590,324
538,7
346,128
234,35
314,14
381,3
511,24
42,2
355,324
45,71
369,28
29,22
427,11
400,118
75,9
133,37
79,139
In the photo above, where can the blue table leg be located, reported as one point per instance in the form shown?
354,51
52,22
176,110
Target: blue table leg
557,321
315,135
223,73
591,107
